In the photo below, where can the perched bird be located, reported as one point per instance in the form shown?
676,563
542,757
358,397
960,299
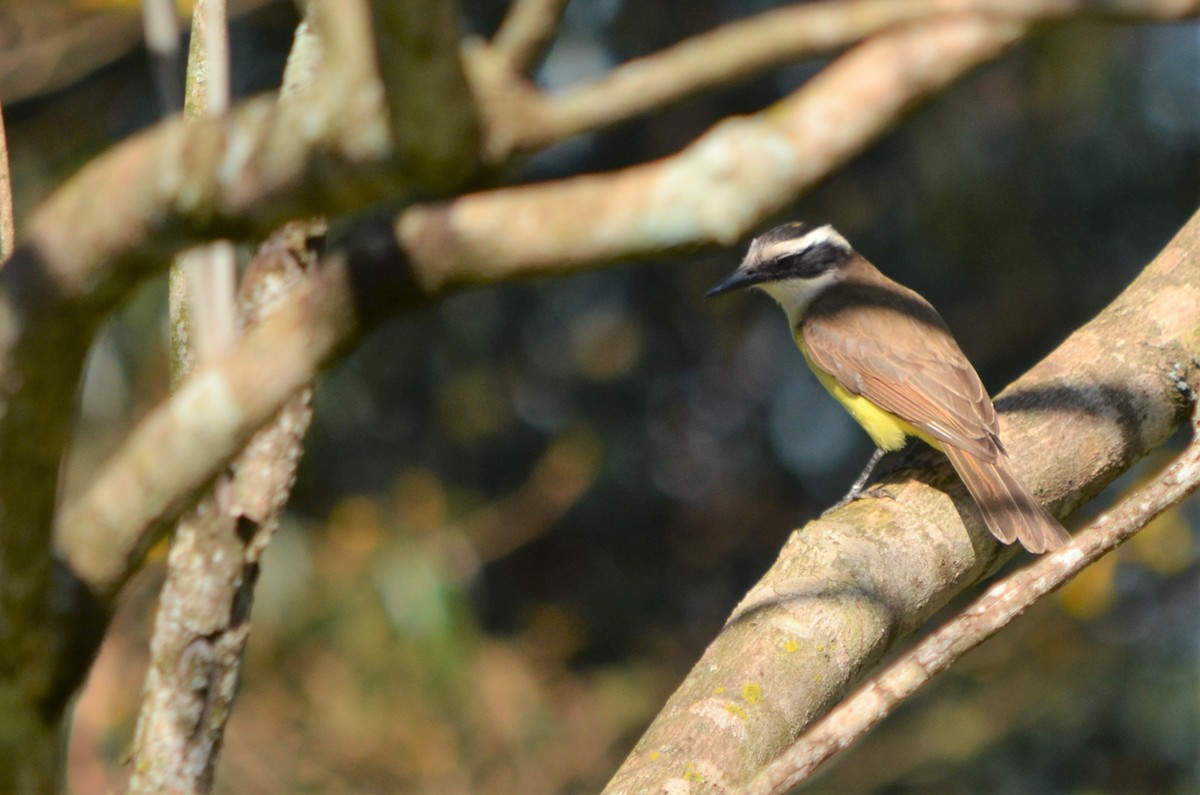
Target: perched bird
886,355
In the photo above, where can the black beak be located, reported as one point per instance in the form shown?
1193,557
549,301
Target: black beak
736,280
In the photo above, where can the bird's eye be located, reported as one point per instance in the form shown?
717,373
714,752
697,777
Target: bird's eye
796,263
808,262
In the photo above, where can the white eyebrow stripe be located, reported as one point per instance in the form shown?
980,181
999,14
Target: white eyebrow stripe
822,234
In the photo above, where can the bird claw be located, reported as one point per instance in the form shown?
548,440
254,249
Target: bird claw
873,493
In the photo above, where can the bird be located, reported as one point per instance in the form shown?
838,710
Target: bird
886,355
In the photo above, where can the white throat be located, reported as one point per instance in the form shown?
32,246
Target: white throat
795,295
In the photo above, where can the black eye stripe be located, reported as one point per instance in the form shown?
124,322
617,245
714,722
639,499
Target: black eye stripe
807,263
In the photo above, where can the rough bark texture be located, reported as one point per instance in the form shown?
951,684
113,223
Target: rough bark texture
1002,603
203,620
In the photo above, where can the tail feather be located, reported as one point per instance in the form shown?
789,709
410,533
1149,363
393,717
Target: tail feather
1009,510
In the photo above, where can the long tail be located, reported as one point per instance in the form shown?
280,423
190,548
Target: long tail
1009,510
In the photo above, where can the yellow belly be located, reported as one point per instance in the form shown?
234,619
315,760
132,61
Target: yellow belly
888,431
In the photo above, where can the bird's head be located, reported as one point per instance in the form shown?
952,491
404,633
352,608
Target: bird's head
792,263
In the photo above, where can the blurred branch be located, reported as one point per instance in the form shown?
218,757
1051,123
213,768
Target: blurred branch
160,26
1002,603
50,45
523,119
846,588
8,229
526,31
565,471
179,184
181,445
114,223
243,176
344,29
238,177
204,279
75,530
714,191
83,251
435,127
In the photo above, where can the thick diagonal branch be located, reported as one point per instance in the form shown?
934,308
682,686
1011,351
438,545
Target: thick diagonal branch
848,587
1003,602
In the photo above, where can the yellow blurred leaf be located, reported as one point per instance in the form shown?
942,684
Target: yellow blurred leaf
355,530
1166,545
474,405
606,344
421,503
1090,595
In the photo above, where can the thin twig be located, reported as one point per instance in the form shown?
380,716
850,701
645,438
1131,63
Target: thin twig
209,326
8,229
160,26
210,26
525,32
1002,603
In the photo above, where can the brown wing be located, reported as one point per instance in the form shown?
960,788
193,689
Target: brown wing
886,343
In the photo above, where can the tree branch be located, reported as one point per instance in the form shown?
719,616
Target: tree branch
182,444
7,226
1003,602
435,128
526,31
714,191
742,48
203,280
202,623
203,619
126,212
846,588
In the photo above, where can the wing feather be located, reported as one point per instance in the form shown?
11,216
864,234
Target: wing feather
896,351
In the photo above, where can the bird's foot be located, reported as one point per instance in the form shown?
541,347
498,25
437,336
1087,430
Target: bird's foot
875,492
